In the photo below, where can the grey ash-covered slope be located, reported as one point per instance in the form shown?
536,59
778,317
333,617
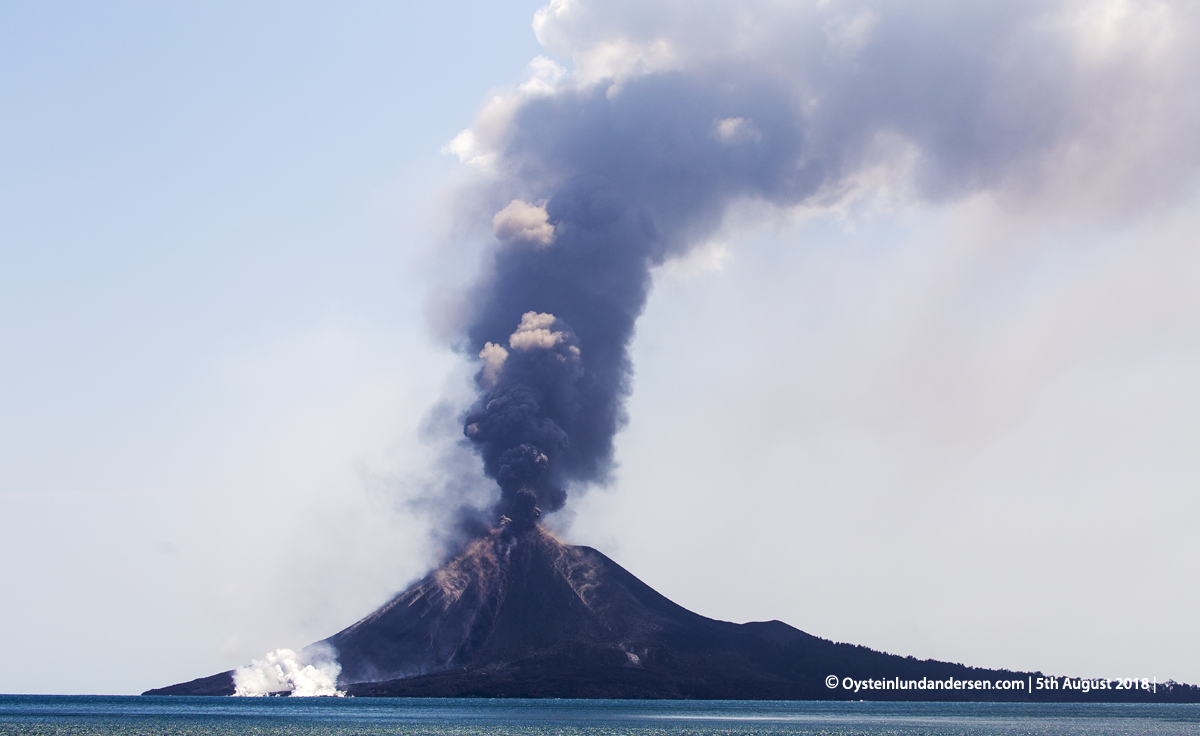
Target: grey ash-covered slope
524,615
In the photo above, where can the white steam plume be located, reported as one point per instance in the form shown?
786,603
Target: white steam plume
311,672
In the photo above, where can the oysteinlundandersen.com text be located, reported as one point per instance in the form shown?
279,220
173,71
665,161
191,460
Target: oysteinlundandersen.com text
1029,684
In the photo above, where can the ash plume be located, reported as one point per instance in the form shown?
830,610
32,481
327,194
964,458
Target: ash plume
671,113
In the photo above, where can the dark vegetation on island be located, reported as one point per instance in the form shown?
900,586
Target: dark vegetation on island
521,615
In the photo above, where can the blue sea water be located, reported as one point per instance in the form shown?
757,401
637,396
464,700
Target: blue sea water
150,716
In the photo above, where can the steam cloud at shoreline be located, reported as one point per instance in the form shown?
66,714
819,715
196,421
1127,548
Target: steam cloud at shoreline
312,672
673,113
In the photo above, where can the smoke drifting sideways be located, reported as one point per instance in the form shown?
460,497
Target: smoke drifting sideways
672,113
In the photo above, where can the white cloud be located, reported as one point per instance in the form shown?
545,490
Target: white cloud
469,151
731,130
544,76
535,332
703,259
493,356
523,221
606,52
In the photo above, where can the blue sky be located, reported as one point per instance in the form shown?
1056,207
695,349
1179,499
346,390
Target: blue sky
949,425
213,223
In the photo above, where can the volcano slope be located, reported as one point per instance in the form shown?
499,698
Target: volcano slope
520,614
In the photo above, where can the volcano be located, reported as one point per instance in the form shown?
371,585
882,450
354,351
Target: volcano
521,614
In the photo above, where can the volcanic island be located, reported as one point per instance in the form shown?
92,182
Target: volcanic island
520,614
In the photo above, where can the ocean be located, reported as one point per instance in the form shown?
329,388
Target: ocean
34,715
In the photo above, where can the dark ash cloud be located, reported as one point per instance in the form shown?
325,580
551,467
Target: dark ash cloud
673,113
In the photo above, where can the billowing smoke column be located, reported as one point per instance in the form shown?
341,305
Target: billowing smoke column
673,112
552,330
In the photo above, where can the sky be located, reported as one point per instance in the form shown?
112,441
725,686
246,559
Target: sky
941,403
